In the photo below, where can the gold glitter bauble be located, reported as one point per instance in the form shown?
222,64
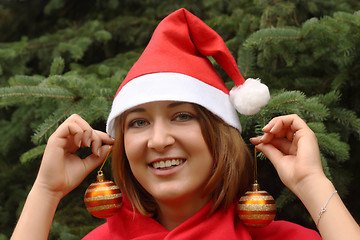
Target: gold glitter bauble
256,208
103,198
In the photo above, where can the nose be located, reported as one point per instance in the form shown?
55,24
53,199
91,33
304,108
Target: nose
161,137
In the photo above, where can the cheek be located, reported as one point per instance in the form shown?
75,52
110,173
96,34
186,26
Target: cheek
197,143
132,155
127,146
197,146
131,147
135,146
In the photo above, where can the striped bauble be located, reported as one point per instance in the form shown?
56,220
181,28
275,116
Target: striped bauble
256,208
103,198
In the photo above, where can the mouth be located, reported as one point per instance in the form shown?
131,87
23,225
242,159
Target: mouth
166,164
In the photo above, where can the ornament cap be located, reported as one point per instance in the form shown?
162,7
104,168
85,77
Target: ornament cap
100,177
255,186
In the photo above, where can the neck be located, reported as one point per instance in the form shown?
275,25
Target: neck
172,213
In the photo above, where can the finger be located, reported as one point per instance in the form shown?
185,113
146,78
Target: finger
70,127
276,121
290,135
76,131
281,127
96,143
255,140
293,121
105,138
283,145
278,125
269,126
267,137
93,161
98,139
87,130
271,152
87,137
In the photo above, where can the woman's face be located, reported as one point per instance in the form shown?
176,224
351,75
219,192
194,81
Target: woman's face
166,150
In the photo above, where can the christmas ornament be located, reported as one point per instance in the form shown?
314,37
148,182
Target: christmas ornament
256,208
103,198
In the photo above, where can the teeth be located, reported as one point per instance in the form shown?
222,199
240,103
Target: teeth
167,163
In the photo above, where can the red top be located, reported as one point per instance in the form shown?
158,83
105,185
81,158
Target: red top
221,225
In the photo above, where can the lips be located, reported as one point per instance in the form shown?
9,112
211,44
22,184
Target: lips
166,164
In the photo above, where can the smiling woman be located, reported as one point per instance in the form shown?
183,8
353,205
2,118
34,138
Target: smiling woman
178,154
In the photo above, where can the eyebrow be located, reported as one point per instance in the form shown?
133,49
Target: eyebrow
175,104
171,105
135,110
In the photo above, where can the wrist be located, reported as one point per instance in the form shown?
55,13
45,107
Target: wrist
312,185
314,192
40,189
37,214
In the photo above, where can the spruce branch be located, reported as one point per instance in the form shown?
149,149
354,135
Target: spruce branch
347,120
312,108
35,91
330,99
32,154
44,130
331,146
260,38
57,66
285,102
325,166
285,197
24,80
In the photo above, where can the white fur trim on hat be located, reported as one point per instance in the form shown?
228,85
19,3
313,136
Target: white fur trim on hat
165,86
249,97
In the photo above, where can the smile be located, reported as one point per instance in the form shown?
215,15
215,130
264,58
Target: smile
166,164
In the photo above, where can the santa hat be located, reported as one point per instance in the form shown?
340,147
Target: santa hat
174,67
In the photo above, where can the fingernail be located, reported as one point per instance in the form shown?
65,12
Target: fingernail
98,152
89,143
262,138
79,144
271,130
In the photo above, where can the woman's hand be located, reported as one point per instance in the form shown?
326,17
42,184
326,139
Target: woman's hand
293,149
61,169
60,172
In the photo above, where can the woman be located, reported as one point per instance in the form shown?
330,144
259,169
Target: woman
178,153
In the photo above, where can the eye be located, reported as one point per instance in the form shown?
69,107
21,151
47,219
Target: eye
183,117
138,123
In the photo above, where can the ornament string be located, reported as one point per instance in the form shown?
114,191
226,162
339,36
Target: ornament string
255,166
100,172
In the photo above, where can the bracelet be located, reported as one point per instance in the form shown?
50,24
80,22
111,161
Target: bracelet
324,208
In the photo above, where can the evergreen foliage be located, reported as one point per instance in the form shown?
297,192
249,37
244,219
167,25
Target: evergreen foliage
60,57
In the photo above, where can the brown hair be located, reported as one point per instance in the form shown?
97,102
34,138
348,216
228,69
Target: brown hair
231,175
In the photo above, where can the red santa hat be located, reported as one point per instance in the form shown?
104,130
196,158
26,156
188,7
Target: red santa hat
175,67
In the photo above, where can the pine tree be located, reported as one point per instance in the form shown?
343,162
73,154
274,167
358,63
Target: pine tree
61,57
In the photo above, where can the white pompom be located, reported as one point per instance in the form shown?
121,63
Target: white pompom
250,97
